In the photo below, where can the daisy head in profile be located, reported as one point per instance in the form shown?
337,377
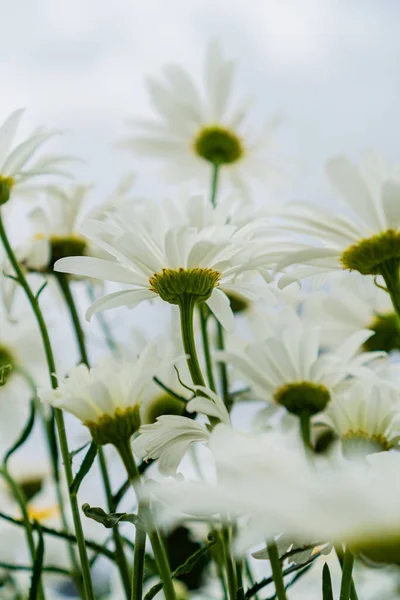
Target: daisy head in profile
107,397
20,167
182,265
200,129
364,236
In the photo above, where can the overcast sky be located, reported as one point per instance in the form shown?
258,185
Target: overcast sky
330,66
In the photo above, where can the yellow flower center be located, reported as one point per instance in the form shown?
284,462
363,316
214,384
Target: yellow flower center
368,255
117,428
218,145
303,396
359,442
37,513
172,284
6,185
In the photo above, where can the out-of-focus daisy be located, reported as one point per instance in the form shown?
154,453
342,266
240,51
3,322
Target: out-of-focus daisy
170,436
279,490
17,165
196,130
106,398
352,303
366,419
289,369
173,263
366,239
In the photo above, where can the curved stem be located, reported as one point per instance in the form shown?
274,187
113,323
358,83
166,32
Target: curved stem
160,554
390,273
19,496
276,571
80,338
186,307
33,300
203,312
346,584
119,548
63,282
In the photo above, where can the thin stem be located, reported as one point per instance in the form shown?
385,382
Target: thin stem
305,429
160,554
345,586
186,307
203,312
276,568
222,368
61,534
80,338
138,562
20,498
340,555
229,563
239,579
33,300
390,273
119,548
214,184
63,282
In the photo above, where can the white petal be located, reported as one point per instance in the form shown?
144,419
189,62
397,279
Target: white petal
391,203
8,131
220,306
98,268
128,298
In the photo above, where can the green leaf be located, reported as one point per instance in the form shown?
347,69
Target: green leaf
37,567
327,593
110,519
84,468
185,568
24,434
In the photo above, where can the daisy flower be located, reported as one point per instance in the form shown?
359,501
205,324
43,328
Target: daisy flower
17,165
352,303
175,264
363,237
170,436
277,488
289,369
106,398
365,420
198,129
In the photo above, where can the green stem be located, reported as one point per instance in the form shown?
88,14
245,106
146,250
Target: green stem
390,273
305,429
33,300
19,496
138,562
345,586
214,184
119,548
63,282
222,368
204,314
229,563
276,568
186,307
160,554
80,338
340,555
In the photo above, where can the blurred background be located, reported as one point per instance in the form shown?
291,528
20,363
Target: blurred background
331,67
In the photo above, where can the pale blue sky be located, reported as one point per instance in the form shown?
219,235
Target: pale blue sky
330,66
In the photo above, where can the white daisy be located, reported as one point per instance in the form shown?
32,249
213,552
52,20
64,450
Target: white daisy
364,237
106,398
279,490
17,167
155,261
289,369
170,436
198,129
352,303
365,419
